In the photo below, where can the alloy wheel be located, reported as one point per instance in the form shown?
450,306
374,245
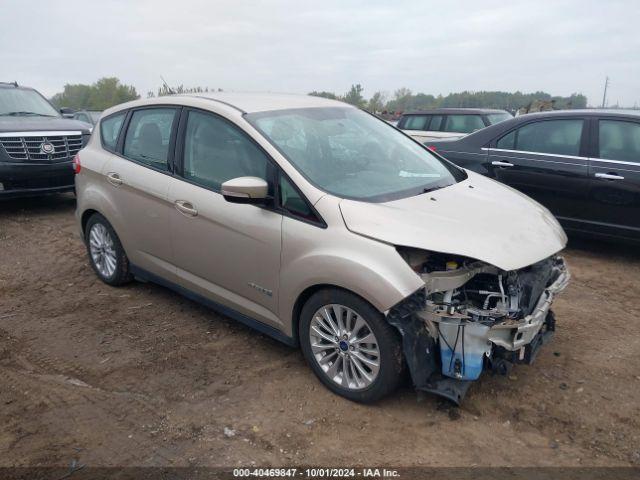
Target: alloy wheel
344,346
102,250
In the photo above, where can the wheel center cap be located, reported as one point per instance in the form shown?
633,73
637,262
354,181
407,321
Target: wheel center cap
344,345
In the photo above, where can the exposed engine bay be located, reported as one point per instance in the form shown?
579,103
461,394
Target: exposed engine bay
472,315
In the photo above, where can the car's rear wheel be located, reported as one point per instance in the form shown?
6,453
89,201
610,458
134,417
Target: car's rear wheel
350,346
106,255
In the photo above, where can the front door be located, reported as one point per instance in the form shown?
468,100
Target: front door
614,193
227,252
545,160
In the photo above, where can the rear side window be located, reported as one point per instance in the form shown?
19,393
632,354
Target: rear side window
110,129
619,140
416,122
436,123
215,151
148,136
560,137
463,123
498,117
508,142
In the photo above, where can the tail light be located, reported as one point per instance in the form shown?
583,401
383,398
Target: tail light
76,164
432,148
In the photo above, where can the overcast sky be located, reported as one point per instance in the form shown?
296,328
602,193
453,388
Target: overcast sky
295,46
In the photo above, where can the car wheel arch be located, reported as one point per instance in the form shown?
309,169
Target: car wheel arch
86,215
307,293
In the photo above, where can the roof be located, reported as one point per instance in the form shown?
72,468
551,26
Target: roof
13,85
261,102
582,112
458,111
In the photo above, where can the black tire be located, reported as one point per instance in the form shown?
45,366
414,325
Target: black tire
122,274
391,367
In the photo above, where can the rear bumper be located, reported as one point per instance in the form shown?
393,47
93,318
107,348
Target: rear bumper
29,179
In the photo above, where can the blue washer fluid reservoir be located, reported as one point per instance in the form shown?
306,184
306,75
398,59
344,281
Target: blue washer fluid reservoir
463,346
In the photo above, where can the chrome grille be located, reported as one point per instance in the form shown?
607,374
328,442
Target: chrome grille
28,146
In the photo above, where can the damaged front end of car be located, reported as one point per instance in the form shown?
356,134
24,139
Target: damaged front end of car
471,316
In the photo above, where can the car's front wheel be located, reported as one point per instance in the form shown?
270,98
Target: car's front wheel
350,346
106,255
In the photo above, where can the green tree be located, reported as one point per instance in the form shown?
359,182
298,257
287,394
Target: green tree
323,94
401,100
405,101
354,96
103,94
377,102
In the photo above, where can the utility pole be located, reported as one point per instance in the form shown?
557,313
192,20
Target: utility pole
604,97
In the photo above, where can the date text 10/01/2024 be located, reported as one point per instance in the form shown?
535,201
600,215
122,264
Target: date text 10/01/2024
316,472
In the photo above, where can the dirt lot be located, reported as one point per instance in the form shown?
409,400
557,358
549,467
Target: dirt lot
141,376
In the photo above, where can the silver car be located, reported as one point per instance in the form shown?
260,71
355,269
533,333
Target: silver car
326,228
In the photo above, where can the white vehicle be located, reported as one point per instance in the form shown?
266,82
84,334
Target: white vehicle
325,227
449,123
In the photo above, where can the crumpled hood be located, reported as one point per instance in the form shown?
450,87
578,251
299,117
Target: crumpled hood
29,124
489,222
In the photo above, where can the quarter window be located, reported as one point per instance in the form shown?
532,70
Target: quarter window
148,137
110,129
215,151
559,137
463,123
292,201
619,140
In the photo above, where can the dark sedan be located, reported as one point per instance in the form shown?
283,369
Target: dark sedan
583,165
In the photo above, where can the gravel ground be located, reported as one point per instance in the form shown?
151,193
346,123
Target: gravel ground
141,376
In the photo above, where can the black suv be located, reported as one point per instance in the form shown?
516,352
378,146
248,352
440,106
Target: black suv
37,144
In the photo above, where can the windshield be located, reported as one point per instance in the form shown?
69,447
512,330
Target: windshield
498,117
17,101
352,154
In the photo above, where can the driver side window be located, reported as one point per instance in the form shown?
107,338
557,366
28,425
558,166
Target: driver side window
216,151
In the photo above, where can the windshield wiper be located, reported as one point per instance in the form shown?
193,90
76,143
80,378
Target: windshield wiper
17,114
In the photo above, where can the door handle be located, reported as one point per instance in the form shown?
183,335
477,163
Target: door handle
498,163
186,208
114,179
609,176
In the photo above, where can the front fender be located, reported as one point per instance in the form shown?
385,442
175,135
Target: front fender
371,269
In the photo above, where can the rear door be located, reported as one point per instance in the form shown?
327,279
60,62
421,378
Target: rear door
546,159
138,175
614,190
226,252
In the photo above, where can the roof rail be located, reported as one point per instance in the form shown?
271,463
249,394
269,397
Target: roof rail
14,83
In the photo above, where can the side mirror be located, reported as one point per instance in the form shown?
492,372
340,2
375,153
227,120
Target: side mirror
245,190
67,112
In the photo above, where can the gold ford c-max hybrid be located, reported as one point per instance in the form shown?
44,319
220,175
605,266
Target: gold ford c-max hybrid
324,227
